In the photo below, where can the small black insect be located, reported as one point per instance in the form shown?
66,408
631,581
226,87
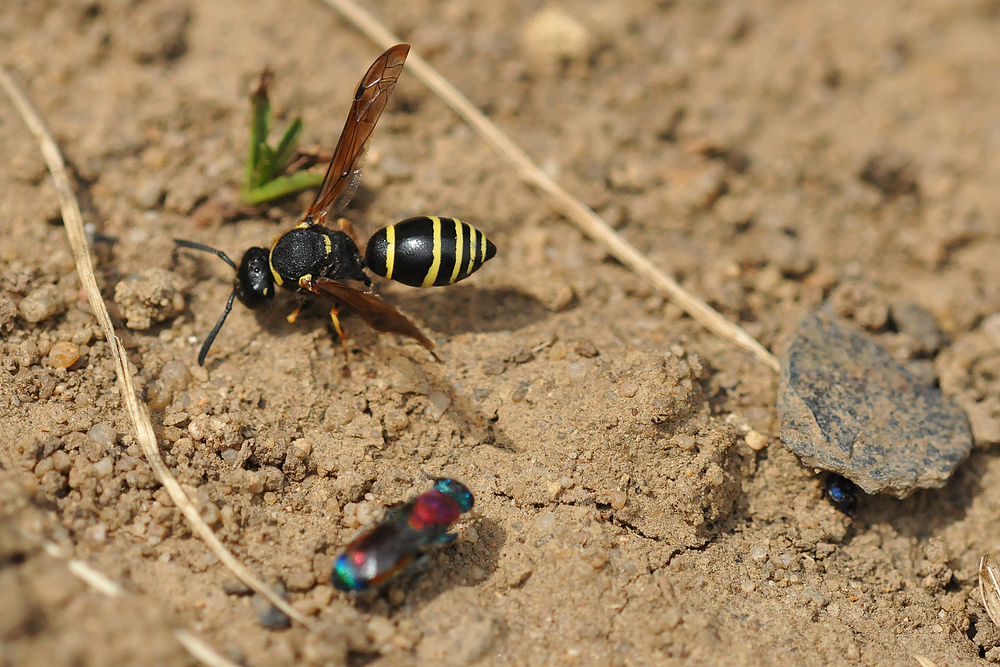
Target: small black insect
312,259
842,492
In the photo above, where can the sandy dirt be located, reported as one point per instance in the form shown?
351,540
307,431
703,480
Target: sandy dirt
634,504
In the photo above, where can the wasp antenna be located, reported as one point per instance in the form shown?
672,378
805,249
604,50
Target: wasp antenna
218,325
201,246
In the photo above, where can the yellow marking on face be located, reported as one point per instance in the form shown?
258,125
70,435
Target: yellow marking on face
459,228
432,273
328,244
305,281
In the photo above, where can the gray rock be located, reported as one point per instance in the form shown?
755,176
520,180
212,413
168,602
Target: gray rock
846,406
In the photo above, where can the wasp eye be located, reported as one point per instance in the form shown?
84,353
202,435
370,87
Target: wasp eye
254,282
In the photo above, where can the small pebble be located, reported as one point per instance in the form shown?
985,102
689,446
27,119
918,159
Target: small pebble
494,367
175,376
338,414
920,324
522,356
40,304
598,562
814,595
64,355
758,553
520,392
104,467
439,403
395,421
618,499
152,296
628,389
684,441
755,441
27,353
83,336
586,348
104,434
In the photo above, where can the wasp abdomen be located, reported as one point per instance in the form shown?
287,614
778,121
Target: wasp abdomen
428,251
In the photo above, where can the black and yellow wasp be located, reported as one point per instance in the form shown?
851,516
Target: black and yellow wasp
312,259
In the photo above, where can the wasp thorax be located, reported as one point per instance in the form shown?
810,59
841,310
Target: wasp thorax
316,252
254,283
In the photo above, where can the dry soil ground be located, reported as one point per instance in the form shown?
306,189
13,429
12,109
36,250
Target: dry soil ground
770,154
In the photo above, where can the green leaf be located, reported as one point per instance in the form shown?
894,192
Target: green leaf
265,166
281,187
286,148
260,123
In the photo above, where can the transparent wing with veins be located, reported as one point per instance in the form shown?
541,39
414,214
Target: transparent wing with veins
370,100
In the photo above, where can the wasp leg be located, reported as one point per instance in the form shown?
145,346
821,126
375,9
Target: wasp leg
344,225
334,311
293,316
447,538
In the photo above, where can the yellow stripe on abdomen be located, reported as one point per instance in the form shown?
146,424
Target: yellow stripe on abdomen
390,250
472,251
432,272
459,225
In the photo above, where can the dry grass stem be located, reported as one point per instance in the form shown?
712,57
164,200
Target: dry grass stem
989,588
144,434
201,651
96,580
579,213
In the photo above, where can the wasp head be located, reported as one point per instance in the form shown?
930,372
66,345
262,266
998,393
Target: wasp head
254,282
456,491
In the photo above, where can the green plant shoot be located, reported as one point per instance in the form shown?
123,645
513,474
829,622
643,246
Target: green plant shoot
265,178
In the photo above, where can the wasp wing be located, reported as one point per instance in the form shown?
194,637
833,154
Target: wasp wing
370,100
374,310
